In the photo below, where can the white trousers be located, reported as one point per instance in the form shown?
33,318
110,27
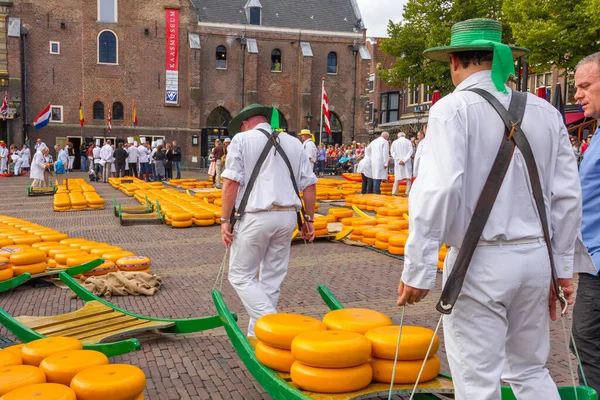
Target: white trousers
70,162
500,325
397,184
17,167
4,165
260,254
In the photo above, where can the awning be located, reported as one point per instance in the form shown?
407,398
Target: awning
405,121
572,117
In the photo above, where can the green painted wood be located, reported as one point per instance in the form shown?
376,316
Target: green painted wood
73,271
12,283
329,298
181,325
23,333
266,377
115,348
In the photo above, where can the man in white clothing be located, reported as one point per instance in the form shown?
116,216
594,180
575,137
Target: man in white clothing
106,156
402,151
144,159
421,137
63,157
38,167
260,243
132,159
380,159
499,326
39,145
366,172
3,158
309,146
98,169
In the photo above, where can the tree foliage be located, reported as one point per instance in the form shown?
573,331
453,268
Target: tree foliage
427,23
558,32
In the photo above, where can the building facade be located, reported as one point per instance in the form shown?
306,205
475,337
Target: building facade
185,67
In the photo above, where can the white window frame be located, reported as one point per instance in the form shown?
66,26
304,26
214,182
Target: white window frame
410,93
543,78
424,94
98,47
371,79
62,115
116,13
50,47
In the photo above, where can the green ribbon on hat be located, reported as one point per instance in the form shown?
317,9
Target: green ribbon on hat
503,65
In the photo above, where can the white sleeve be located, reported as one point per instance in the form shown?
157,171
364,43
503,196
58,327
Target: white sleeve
234,163
434,200
565,203
306,176
408,154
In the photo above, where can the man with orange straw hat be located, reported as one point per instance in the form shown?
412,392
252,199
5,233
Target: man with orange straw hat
497,312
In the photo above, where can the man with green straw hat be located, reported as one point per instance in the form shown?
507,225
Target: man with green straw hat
266,207
499,324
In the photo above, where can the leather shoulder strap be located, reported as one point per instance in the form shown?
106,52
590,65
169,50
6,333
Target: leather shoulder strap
484,205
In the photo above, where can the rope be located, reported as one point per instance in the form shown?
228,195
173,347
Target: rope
221,273
583,378
426,357
564,319
397,350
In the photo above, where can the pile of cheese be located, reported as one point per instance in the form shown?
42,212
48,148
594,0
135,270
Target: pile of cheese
59,368
76,194
345,352
136,184
190,183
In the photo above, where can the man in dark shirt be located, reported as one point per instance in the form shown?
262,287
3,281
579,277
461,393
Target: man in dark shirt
177,157
218,153
120,157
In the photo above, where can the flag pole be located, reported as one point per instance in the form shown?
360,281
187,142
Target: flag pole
321,128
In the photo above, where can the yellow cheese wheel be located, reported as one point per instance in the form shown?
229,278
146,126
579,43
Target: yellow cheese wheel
75,261
17,376
27,239
52,263
413,344
348,221
4,263
73,240
115,255
43,245
30,256
406,371
278,330
364,221
6,274
180,216
370,241
5,242
371,233
331,380
204,222
274,358
359,320
34,352
381,245
98,251
41,391
61,258
397,251
384,236
397,240
340,213
103,269
61,250
8,358
112,381
33,269
182,224
62,367
54,237
133,263
8,251
321,232
355,237
331,349
90,244
47,249
15,349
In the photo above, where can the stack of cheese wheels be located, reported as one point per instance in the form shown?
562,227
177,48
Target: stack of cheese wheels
359,225
383,236
442,257
414,344
6,271
78,201
203,217
369,234
34,352
62,202
396,244
103,269
358,320
41,391
320,225
180,219
24,259
62,367
17,376
94,201
134,264
275,333
331,361
116,255
112,381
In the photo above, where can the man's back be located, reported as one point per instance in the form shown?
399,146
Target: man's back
465,137
132,154
273,185
120,155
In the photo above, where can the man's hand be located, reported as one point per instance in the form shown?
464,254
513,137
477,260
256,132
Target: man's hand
402,163
308,231
568,290
409,294
226,234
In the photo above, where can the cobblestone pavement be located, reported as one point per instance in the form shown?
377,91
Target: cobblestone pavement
204,365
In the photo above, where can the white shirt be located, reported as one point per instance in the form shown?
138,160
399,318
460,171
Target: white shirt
380,157
3,152
106,153
364,165
63,156
273,185
152,155
402,150
463,138
39,146
38,165
311,150
143,154
25,157
132,155
418,157
96,154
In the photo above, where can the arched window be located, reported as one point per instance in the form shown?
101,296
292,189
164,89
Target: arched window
218,118
276,60
221,57
117,111
332,65
108,47
98,110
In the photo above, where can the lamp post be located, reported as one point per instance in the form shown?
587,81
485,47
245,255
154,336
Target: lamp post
419,114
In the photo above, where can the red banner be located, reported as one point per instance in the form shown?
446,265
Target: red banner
172,75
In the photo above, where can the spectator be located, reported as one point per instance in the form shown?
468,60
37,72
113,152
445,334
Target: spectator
90,156
169,162
152,161
83,155
25,157
62,162
39,144
71,154
132,159
106,154
159,157
120,160
177,157
144,158
98,168
321,157
218,152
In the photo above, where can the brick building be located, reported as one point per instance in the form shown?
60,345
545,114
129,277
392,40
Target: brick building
108,55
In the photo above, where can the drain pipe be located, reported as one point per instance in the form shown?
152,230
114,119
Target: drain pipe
24,127
355,52
243,41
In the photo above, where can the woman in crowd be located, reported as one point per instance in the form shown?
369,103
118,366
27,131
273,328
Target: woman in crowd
321,157
169,162
159,158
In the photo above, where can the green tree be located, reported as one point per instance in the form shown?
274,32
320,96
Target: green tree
558,32
427,23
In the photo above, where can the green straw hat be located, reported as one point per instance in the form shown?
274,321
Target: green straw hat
481,34
248,112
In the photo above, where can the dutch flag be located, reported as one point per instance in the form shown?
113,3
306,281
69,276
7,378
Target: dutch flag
42,120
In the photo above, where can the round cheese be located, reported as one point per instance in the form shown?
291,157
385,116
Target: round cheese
359,320
6,274
62,367
17,376
406,371
414,342
331,349
331,380
34,352
32,269
8,358
112,381
278,330
41,391
274,358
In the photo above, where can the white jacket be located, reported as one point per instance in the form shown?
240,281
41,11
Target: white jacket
380,158
38,165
